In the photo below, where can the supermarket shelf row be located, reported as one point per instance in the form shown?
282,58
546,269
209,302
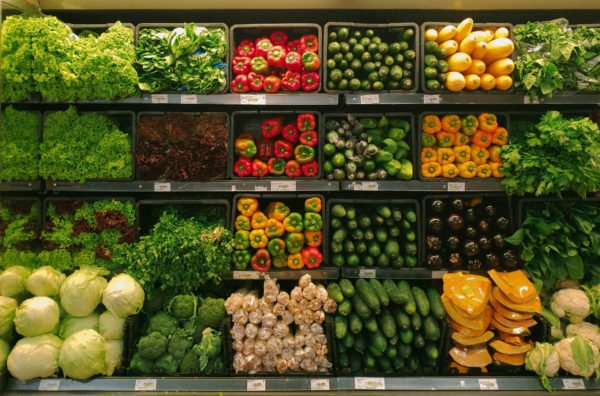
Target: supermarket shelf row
330,273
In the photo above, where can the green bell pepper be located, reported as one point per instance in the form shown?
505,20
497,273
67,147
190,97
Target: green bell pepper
304,154
396,134
241,259
392,167
294,242
369,123
293,222
428,140
403,150
276,247
383,156
279,261
241,240
400,123
406,172
313,222
390,145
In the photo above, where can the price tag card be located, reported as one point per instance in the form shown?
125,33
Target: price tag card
488,384
288,185
162,187
245,275
573,383
319,384
368,383
367,273
370,186
432,99
529,100
189,99
261,187
147,384
253,99
456,187
369,99
159,98
49,385
438,274
256,385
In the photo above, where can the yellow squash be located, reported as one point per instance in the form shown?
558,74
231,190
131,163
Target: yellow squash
512,360
533,306
446,33
515,285
463,29
478,323
468,341
471,357
501,67
509,349
498,48
469,293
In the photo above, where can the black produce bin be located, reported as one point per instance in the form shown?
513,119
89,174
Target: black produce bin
250,121
29,203
383,29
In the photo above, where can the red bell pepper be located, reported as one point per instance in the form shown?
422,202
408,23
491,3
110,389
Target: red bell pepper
243,167
293,45
284,149
293,169
276,166
259,65
306,122
259,168
309,42
291,81
293,61
271,127
241,65
263,45
312,257
310,81
246,48
266,148
290,133
272,84
278,37
310,169
276,56
261,261
240,83
256,81
309,138
310,61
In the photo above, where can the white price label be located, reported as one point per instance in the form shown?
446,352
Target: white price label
147,384
189,99
256,385
369,99
432,99
488,384
159,98
438,274
529,100
367,273
261,187
288,185
253,99
456,186
162,187
370,186
49,385
245,275
319,384
573,383
368,383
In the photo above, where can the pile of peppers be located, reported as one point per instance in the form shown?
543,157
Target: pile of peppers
278,236
286,147
465,147
275,63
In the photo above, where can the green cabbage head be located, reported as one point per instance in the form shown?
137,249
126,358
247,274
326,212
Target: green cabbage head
35,357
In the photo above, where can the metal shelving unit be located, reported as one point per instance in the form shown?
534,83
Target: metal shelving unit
321,273
424,186
21,186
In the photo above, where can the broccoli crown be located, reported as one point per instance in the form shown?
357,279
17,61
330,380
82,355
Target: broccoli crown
189,364
179,343
212,312
183,306
163,323
152,346
193,327
166,364
140,364
209,348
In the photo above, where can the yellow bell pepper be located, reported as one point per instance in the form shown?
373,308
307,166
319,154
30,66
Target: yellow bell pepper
295,261
431,169
467,170
449,171
242,223
258,239
496,169
445,156
259,220
428,154
484,171
247,206
274,229
479,155
462,154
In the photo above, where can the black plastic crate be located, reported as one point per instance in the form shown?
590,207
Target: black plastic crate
503,121
250,121
33,201
386,29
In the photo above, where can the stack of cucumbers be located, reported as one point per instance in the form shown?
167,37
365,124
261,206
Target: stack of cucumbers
363,59
373,235
387,326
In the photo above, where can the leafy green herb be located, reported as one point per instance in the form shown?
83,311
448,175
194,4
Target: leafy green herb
19,145
12,257
18,223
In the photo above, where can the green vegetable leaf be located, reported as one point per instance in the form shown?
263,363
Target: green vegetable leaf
516,238
582,352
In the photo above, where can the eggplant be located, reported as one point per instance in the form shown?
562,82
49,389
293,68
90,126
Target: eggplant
453,243
471,248
483,226
492,261
473,264
510,259
470,215
484,243
502,223
434,261
498,241
490,210
458,205
438,206
434,243
435,224
455,261
455,222
471,232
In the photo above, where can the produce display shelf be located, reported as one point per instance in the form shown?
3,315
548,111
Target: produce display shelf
475,99
211,186
320,273
392,273
418,185
21,186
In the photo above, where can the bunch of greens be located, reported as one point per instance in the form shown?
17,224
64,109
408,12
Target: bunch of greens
188,59
181,253
19,145
18,223
24,258
554,155
42,55
553,57
560,240
82,147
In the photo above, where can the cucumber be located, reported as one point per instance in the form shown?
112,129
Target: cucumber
374,351
402,319
393,292
421,300
360,344
398,362
431,329
339,235
340,347
361,309
406,336
345,308
348,341
418,341
355,361
343,360
335,293
413,363
341,327
379,341
409,306
369,360
387,324
416,322
431,351
347,288
355,323
394,340
371,325
437,308
404,350
404,289
385,365
366,292
383,296
391,352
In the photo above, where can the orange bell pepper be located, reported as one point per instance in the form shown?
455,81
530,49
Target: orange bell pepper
242,223
462,153
484,171
431,123
431,169
277,211
449,171
496,169
460,139
274,228
445,139
313,238
451,123
482,139
500,136
495,153
312,205
258,239
294,261
445,156
487,122
479,155
259,220
467,170
247,206
428,154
